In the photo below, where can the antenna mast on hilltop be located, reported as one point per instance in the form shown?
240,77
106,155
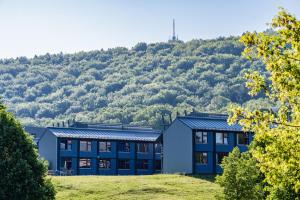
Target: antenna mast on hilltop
174,38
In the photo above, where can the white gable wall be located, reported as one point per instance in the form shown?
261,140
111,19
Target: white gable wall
178,149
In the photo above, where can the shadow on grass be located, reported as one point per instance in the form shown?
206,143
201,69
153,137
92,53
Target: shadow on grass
209,177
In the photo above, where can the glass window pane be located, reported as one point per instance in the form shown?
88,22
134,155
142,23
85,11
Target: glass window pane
220,157
158,148
198,137
225,138
123,147
157,164
201,157
85,163
219,138
124,164
204,140
104,164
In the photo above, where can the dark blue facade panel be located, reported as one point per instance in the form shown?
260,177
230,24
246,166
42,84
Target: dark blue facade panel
213,147
69,155
205,168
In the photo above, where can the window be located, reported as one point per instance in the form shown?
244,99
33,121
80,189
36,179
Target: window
123,147
242,139
142,164
104,146
85,145
201,158
157,147
104,164
124,164
85,163
157,164
66,163
220,156
142,147
66,145
201,137
221,138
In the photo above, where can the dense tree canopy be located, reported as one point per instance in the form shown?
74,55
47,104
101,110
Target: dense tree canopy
277,135
22,174
127,85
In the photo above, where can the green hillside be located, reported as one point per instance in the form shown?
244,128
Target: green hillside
127,85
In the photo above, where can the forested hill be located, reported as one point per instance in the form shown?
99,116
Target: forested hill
127,85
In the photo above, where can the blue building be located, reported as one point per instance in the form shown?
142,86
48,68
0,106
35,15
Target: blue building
87,149
196,144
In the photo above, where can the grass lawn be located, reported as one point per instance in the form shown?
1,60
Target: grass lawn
162,187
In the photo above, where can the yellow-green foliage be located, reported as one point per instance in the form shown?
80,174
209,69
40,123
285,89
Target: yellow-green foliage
162,187
277,132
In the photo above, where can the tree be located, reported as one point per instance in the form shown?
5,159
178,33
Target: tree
277,133
241,178
22,174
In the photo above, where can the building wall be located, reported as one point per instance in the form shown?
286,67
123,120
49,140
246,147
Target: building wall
178,149
114,155
212,149
47,149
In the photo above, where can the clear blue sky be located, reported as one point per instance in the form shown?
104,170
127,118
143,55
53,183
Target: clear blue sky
29,27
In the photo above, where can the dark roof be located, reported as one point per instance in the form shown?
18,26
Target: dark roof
109,134
209,122
33,130
77,124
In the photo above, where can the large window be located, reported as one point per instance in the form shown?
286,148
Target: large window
142,147
85,163
157,147
200,137
142,164
66,145
201,158
124,164
220,156
85,145
104,164
124,147
157,164
104,146
221,138
66,163
242,139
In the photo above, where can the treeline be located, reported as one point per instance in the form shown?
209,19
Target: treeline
123,85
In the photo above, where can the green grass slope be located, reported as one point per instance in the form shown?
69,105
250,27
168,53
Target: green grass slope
136,187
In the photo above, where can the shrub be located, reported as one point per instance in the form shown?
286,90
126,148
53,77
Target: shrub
22,174
241,178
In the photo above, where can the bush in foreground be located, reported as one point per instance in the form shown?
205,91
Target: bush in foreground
22,173
241,179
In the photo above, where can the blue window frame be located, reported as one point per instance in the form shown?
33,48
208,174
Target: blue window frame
201,158
85,145
84,163
142,147
65,164
158,165
104,146
66,144
242,139
123,164
220,156
124,147
104,163
201,137
222,138
157,147
142,164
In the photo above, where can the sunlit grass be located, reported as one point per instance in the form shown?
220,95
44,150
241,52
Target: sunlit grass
162,187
